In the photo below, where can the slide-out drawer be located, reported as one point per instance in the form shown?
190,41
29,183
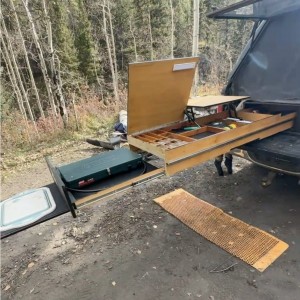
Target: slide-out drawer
182,148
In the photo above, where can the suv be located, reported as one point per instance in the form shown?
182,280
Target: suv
268,70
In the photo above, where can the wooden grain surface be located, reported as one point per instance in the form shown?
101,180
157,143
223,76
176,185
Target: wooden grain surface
207,101
158,95
194,160
218,139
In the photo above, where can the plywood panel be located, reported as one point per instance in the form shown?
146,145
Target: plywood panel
146,146
220,138
208,154
207,101
158,95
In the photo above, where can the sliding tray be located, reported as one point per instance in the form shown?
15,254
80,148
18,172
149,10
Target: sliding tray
104,188
182,149
159,94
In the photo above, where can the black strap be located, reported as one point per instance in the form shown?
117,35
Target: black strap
189,112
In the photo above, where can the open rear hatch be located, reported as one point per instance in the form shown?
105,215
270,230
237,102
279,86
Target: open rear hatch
268,70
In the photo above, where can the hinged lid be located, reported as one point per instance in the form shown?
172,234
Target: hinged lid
208,101
159,92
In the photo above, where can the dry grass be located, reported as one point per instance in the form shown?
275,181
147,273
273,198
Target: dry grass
94,119
20,141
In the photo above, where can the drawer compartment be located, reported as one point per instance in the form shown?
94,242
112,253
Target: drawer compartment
158,98
182,145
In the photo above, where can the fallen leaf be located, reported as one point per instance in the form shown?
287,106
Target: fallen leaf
30,265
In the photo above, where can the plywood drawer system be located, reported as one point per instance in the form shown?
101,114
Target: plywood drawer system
159,93
185,149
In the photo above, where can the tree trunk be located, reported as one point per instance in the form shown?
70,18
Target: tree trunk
112,69
172,28
196,43
196,28
113,45
75,112
13,80
134,40
27,61
41,59
55,73
151,39
16,71
98,80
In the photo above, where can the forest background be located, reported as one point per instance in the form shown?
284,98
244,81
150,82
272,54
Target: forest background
64,62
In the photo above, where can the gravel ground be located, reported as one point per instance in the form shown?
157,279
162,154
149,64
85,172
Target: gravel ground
130,248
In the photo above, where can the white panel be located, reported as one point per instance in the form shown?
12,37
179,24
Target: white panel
186,66
25,208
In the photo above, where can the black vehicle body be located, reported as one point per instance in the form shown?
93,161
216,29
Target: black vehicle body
268,70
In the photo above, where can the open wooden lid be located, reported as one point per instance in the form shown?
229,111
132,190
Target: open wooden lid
159,92
208,101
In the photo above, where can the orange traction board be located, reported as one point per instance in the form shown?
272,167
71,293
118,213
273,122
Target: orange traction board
252,245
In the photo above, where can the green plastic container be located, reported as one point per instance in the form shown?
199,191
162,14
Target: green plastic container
98,167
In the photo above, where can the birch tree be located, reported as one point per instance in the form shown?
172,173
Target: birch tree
55,72
196,41
172,28
113,43
134,39
109,51
196,28
42,61
12,77
32,80
13,80
11,55
150,35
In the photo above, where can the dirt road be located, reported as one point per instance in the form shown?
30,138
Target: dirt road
129,248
